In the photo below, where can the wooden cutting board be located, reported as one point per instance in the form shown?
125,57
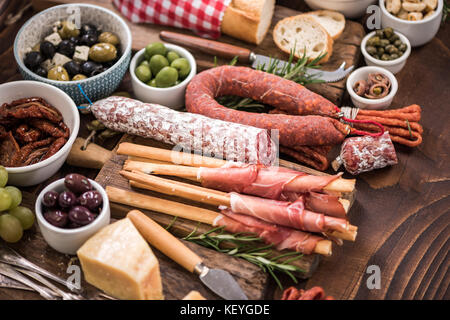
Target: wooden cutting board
346,48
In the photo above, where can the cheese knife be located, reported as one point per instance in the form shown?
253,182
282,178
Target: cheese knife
245,55
219,281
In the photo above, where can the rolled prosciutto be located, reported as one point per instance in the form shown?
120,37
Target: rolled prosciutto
288,214
281,237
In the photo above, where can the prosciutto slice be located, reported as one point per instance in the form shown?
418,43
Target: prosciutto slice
281,237
274,183
288,214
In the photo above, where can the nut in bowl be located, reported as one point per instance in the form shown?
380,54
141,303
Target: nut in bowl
160,74
386,48
71,210
378,85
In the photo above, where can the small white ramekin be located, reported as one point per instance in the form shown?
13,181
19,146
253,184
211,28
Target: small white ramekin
172,97
393,66
68,241
365,103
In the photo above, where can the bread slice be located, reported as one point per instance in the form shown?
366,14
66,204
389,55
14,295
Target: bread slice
332,21
248,20
304,33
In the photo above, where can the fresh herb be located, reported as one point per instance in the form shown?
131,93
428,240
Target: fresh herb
250,248
409,128
445,11
292,71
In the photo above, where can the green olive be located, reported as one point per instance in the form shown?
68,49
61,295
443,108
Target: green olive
78,77
157,62
171,56
166,77
388,32
380,50
102,52
371,50
58,73
373,41
67,30
384,42
145,63
385,57
182,66
379,33
108,37
143,73
402,47
152,83
394,56
155,48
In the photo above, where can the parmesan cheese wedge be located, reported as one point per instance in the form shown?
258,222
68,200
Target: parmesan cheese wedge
120,262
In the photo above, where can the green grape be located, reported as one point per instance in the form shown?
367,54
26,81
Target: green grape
3,176
16,196
25,216
5,199
10,228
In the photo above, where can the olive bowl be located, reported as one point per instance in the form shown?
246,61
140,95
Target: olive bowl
68,241
96,87
172,97
393,66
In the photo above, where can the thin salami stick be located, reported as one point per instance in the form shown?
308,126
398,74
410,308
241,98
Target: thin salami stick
394,131
185,211
320,162
395,123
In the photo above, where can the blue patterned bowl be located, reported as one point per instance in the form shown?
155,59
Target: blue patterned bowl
40,25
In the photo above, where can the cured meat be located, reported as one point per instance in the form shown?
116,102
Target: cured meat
316,128
282,238
289,214
315,293
361,154
216,138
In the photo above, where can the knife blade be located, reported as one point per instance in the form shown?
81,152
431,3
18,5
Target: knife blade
244,55
219,281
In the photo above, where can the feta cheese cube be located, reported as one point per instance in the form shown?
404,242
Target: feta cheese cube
60,59
81,53
47,64
54,38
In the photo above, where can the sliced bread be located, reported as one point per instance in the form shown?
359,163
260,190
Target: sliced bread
332,21
304,33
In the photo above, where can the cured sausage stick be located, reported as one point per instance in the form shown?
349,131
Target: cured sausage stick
204,195
192,173
185,211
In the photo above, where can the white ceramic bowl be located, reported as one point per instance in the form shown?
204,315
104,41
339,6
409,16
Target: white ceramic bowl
349,8
364,103
41,171
393,66
418,32
172,97
68,241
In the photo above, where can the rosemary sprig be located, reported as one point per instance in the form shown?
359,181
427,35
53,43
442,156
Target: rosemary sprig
248,247
294,72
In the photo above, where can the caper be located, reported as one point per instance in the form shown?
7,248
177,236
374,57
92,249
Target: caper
397,43
58,73
394,56
385,57
377,91
102,52
402,47
384,42
376,56
371,50
79,77
374,41
379,33
388,32
68,29
394,38
108,37
391,49
380,50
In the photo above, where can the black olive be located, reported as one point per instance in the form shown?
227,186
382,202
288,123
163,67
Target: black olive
88,39
109,64
40,71
89,67
48,50
72,68
33,59
98,71
75,40
88,29
66,48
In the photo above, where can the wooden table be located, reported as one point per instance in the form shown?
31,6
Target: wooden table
402,212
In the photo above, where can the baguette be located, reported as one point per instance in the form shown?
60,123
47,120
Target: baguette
248,20
332,21
304,33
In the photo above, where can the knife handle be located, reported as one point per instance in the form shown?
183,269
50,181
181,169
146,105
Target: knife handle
207,46
161,239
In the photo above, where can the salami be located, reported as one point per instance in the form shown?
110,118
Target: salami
361,154
191,132
318,126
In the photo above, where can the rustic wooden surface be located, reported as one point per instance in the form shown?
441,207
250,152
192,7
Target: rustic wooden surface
402,212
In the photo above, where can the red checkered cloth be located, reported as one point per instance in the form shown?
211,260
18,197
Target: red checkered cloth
201,16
